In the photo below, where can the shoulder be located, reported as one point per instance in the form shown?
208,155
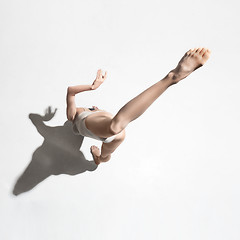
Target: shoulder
78,111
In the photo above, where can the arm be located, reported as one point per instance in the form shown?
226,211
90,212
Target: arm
73,90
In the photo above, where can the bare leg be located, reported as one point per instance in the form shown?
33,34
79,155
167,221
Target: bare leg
107,149
192,60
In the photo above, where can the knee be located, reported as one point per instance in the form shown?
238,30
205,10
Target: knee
116,127
120,136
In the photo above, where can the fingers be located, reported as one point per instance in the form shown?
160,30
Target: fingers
99,73
95,107
100,76
105,76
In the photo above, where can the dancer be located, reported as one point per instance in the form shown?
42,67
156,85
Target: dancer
102,125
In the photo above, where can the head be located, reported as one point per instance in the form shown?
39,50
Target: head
94,108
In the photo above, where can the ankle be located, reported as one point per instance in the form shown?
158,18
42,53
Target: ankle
172,77
105,158
176,76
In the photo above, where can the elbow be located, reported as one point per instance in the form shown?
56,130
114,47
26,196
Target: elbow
70,91
70,118
71,115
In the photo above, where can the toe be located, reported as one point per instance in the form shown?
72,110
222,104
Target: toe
92,148
192,53
202,51
206,54
198,50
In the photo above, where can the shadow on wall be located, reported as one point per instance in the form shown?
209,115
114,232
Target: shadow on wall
59,154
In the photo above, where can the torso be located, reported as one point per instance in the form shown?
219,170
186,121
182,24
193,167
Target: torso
98,123
102,113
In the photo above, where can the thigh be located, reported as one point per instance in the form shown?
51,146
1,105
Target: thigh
99,123
109,148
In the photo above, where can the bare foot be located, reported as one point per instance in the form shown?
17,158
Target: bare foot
96,154
192,60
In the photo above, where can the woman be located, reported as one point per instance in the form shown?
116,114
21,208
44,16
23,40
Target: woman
103,126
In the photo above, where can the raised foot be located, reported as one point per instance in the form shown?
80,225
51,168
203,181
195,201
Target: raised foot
96,154
193,59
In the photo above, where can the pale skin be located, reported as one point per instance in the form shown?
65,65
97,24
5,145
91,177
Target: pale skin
104,124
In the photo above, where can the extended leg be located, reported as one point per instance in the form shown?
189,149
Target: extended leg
192,60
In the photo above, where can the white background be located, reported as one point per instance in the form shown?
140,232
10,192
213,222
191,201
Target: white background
176,175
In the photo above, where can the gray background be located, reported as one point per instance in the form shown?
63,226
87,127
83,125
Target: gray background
176,175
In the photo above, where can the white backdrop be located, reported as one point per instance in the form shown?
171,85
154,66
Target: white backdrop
176,175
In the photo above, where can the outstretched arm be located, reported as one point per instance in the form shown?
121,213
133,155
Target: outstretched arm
73,90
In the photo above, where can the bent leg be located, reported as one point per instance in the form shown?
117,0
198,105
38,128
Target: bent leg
107,149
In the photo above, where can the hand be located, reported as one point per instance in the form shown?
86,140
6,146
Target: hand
99,79
49,114
95,108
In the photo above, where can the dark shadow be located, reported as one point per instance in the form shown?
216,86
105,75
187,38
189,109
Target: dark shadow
59,154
